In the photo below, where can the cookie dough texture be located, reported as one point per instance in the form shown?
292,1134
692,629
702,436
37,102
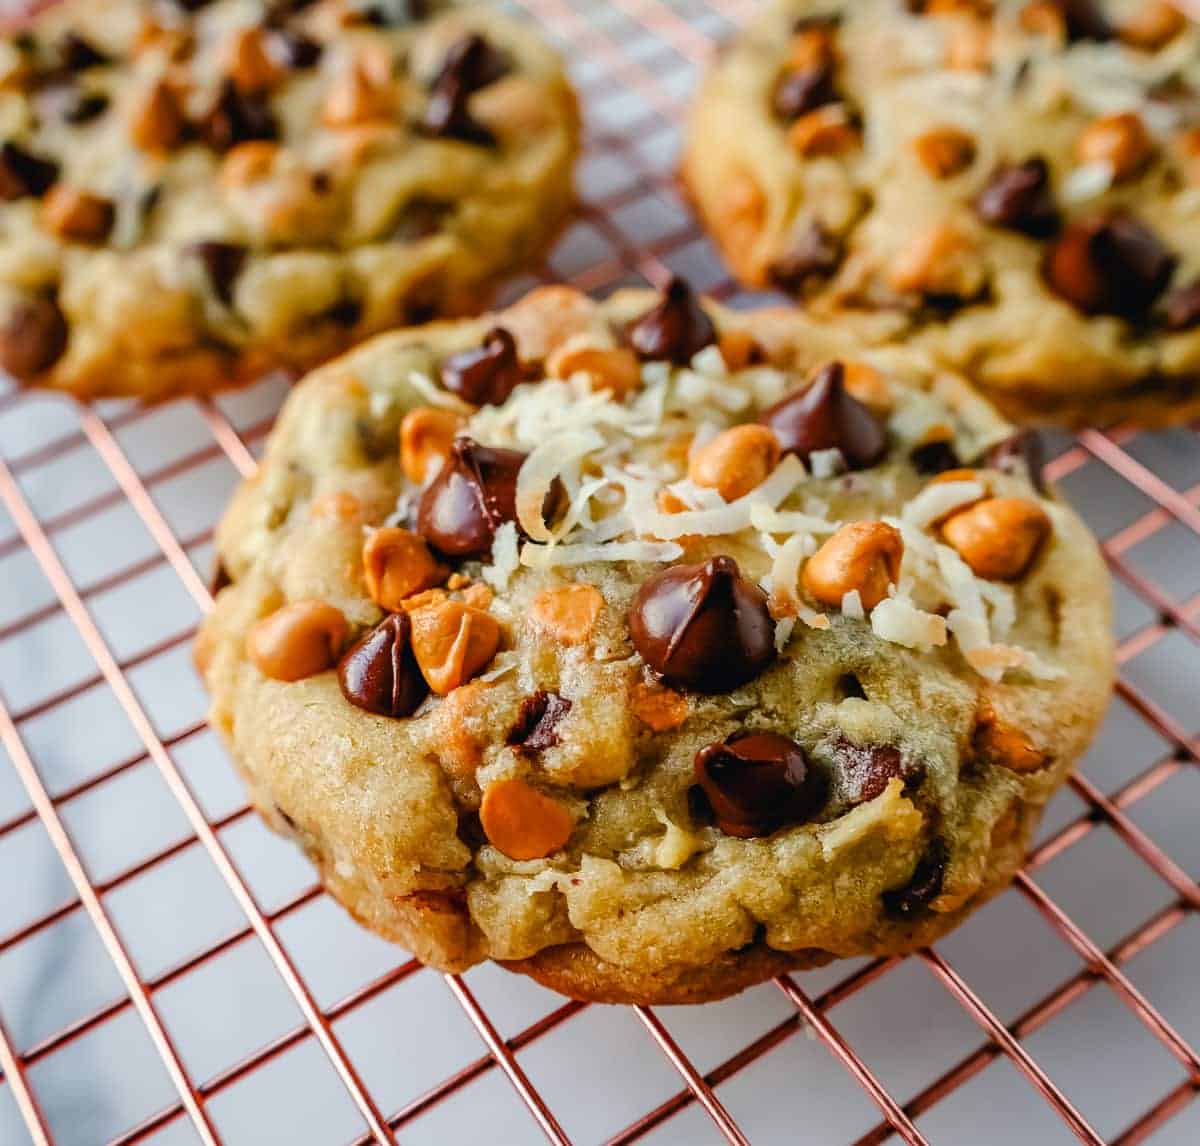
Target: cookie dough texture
649,900
864,204
276,182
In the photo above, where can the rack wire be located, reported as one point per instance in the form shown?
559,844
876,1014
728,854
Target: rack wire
110,512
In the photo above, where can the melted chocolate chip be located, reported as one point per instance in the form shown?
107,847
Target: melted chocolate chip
800,91
473,494
866,769
757,783
923,888
223,263
22,173
1084,20
297,51
536,726
33,336
470,64
78,54
486,375
674,329
814,256
825,416
1110,264
1181,308
703,627
237,117
1022,452
1018,197
380,673
935,458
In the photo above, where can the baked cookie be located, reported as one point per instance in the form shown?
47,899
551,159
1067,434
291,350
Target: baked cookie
1015,185
649,648
194,192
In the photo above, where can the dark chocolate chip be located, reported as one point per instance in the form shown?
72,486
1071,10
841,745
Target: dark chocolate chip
219,579
237,117
22,173
72,105
1022,452
923,888
33,336
345,312
800,91
699,808
865,769
935,458
223,263
1084,20
825,416
391,13
1110,264
487,374
470,64
536,726
474,493
297,51
703,627
674,329
1181,308
1018,197
380,674
758,782
78,54
814,256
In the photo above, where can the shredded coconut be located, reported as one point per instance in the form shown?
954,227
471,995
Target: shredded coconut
940,499
899,621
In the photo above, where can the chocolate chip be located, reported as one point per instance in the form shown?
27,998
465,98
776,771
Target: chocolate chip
814,256
758,782
825,416
223,263
33,336
935,458
674,329
798,92
1084,20
78,54
1018,197
219,578
297,52
923,888
380,674
474,493
69,104
470,64
392,13
1110,264
23,173
237,117
345,312
536,722
703,627
1181,308
865,769
1022,452
486,375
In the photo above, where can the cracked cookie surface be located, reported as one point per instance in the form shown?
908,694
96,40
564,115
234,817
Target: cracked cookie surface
1012,184
194,193
649,648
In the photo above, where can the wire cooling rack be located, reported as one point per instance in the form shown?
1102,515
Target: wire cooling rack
170,972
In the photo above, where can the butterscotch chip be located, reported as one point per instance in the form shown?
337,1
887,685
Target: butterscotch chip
79,215
945,151
736,461
452,642
862,557
568,613
426,434
998,537
157,120
738,349
297,641
397,564
248,63
658,707
826,131
522,822
615,369
249,162
999,742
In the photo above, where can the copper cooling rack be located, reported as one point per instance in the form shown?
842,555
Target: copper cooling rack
171,973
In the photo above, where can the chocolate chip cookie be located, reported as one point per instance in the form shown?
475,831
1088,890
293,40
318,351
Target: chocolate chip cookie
651,649
193,193
1014,185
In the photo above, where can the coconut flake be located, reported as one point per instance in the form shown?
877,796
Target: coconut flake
785,574
827,463
896,620
1087,182
769,520
505,560
552,556
852,606
940,499
783,632
554,458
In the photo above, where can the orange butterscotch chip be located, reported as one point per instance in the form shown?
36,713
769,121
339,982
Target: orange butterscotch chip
74,214
736,461
361,96
999,742
247,61
567,613
426,435
945,151
452,643
738,349
612,368
156,121
248,163
1120,142
869,386
297,641
658,707
522,822
397,564
477,595
862,557
337,505
826,131
998,537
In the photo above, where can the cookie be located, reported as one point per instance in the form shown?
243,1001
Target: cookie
1013,186
194,193
652,649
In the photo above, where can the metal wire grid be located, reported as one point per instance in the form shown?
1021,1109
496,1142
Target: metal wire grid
634,61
